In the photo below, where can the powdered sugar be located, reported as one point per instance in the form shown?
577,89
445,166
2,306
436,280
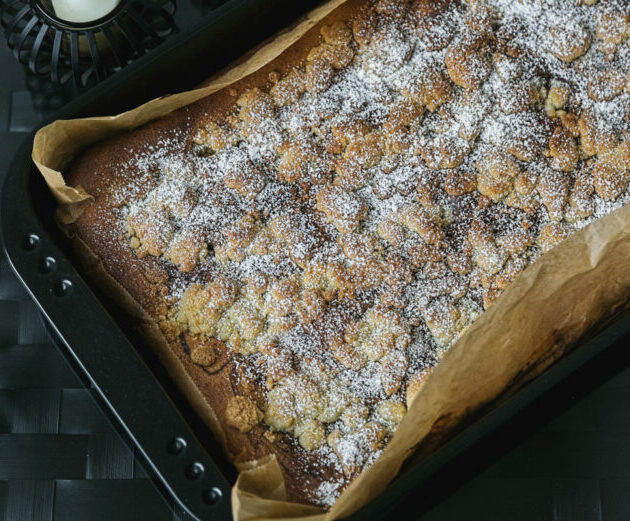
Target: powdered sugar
367,225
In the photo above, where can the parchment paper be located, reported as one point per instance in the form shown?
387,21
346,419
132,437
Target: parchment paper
551,306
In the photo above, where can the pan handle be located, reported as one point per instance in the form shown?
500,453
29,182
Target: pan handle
105,355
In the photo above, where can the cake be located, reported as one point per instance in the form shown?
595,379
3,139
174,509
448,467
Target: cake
312,239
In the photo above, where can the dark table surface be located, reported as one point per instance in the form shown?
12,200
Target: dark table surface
61,459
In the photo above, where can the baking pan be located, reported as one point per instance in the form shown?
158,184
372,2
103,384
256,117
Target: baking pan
123,370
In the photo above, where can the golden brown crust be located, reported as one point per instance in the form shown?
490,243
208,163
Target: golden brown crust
506,163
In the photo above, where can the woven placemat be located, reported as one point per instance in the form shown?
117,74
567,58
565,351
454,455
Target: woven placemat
61,458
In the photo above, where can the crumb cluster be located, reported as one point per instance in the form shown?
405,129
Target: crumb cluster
341,228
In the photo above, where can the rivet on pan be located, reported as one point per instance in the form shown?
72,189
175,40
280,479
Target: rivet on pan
212,496
30,242
62,288
176,446
194,470
47,265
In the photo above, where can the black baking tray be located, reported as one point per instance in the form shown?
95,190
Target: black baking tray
135,388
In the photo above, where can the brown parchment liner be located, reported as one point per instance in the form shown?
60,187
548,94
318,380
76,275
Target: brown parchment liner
553,304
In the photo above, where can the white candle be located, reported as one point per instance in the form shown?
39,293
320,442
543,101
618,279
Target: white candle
81,11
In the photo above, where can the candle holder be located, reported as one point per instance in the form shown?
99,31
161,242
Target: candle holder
83,53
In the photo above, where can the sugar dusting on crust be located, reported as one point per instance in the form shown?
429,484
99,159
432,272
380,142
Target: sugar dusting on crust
340,230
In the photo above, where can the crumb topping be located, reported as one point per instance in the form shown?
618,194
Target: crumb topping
344,224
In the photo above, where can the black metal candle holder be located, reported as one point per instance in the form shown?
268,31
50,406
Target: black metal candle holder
83,53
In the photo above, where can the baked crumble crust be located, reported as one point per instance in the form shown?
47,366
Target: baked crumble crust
338,223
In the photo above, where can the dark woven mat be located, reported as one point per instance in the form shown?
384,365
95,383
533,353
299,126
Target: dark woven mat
60,457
